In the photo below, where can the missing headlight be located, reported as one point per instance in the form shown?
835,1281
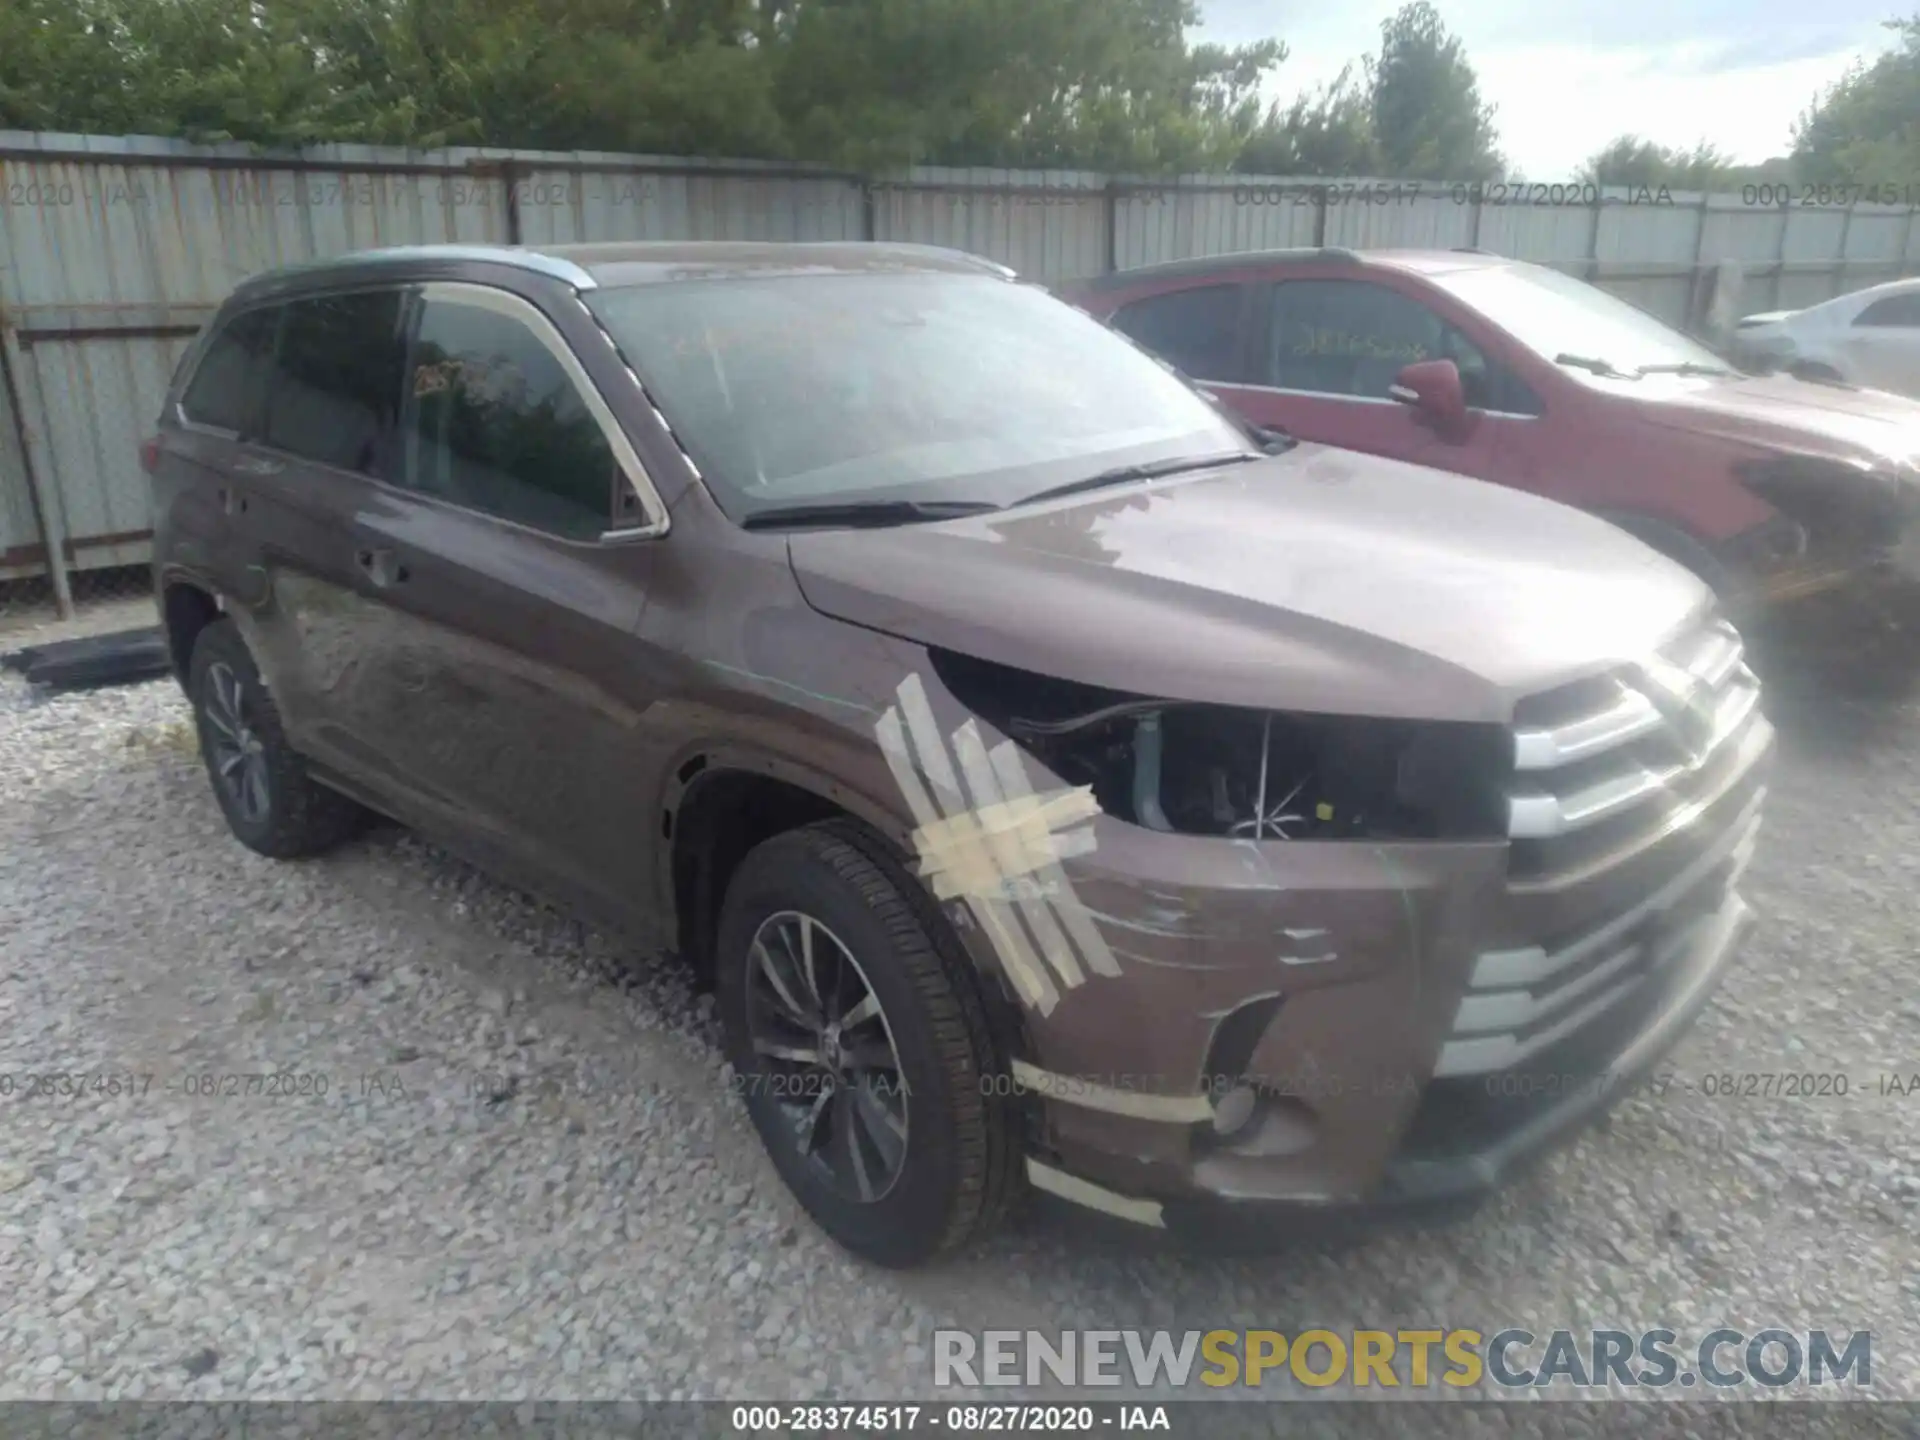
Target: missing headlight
1197,769
1832,510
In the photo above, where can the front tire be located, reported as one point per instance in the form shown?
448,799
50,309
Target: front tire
862,1049
272,805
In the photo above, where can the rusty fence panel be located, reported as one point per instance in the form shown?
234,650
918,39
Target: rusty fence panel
113,253
585,197
114,250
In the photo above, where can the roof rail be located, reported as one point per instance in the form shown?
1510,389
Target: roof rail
550,265
1473,250
1203,264
977,261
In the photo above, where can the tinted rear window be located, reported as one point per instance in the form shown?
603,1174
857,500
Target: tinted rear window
1894,312
229,382
337,381
1197,330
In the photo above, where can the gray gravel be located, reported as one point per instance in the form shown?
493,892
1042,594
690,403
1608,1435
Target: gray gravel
526,1177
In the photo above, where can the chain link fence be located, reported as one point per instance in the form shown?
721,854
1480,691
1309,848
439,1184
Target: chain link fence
104,601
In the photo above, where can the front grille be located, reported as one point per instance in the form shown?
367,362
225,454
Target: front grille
1644,785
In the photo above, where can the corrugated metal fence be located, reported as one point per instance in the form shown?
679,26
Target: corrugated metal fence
114,250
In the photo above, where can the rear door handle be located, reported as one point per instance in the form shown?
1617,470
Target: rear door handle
381,566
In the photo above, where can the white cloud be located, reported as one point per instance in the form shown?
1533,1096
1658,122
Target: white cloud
1569,78
1559,104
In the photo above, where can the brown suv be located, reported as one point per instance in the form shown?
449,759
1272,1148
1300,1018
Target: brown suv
1061,788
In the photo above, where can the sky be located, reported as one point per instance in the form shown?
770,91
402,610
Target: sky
1567,76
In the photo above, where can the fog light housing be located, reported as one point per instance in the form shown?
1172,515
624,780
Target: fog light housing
1234,1109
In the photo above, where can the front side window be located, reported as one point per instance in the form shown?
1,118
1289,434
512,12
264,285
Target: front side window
911,385
1353,338
229,383
1197,331
494,422
1897,312
336,383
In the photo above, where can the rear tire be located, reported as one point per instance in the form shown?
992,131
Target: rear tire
272,805
957,1169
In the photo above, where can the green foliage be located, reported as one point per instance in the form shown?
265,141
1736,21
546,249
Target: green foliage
1097,83
1415,114
1329,132
1107,84
1428,117
1865,129
1632,161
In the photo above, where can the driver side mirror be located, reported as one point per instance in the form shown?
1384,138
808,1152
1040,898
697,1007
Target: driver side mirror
1433,389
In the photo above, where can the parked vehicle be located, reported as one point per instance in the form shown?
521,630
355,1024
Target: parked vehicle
1768,488
1869,338
1060,792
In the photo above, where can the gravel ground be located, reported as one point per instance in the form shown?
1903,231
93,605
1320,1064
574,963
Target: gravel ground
526,1177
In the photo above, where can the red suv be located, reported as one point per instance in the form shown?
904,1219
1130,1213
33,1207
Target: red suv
1768,487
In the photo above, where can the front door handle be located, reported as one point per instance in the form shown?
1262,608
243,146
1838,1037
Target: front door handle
381,566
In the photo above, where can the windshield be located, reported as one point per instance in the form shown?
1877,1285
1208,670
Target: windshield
799,390
1554,314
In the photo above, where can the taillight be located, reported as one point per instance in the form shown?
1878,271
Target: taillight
150,454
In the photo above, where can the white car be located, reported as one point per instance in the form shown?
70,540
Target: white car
1869,338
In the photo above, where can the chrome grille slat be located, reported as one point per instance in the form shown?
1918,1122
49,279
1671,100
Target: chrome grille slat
1723,654
1542,816
1709,658
1503,969
1548,748
1481,1054
1756,737
1607,771
1519,1009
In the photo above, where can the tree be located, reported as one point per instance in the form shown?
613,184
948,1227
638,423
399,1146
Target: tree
1329,132
869,83
1428,118
1866,127
1109,84
1631,161
1415,114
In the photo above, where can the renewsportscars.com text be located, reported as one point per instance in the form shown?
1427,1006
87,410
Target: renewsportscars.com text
1404,1357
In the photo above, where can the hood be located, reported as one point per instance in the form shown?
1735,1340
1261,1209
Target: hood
1778,412
1318,580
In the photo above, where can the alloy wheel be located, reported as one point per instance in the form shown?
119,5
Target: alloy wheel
827,1053
239,757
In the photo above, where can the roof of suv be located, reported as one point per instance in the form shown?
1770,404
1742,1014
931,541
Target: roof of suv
1427,262
614,264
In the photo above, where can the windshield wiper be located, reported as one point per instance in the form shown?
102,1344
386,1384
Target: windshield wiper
1154,471
1685,367
1598,367
863,513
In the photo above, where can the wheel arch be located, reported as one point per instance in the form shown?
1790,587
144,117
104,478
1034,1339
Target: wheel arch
187,606
720,802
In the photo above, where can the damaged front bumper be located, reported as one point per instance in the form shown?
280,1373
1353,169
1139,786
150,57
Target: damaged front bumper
1423,1184
1830,530
1268,1034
